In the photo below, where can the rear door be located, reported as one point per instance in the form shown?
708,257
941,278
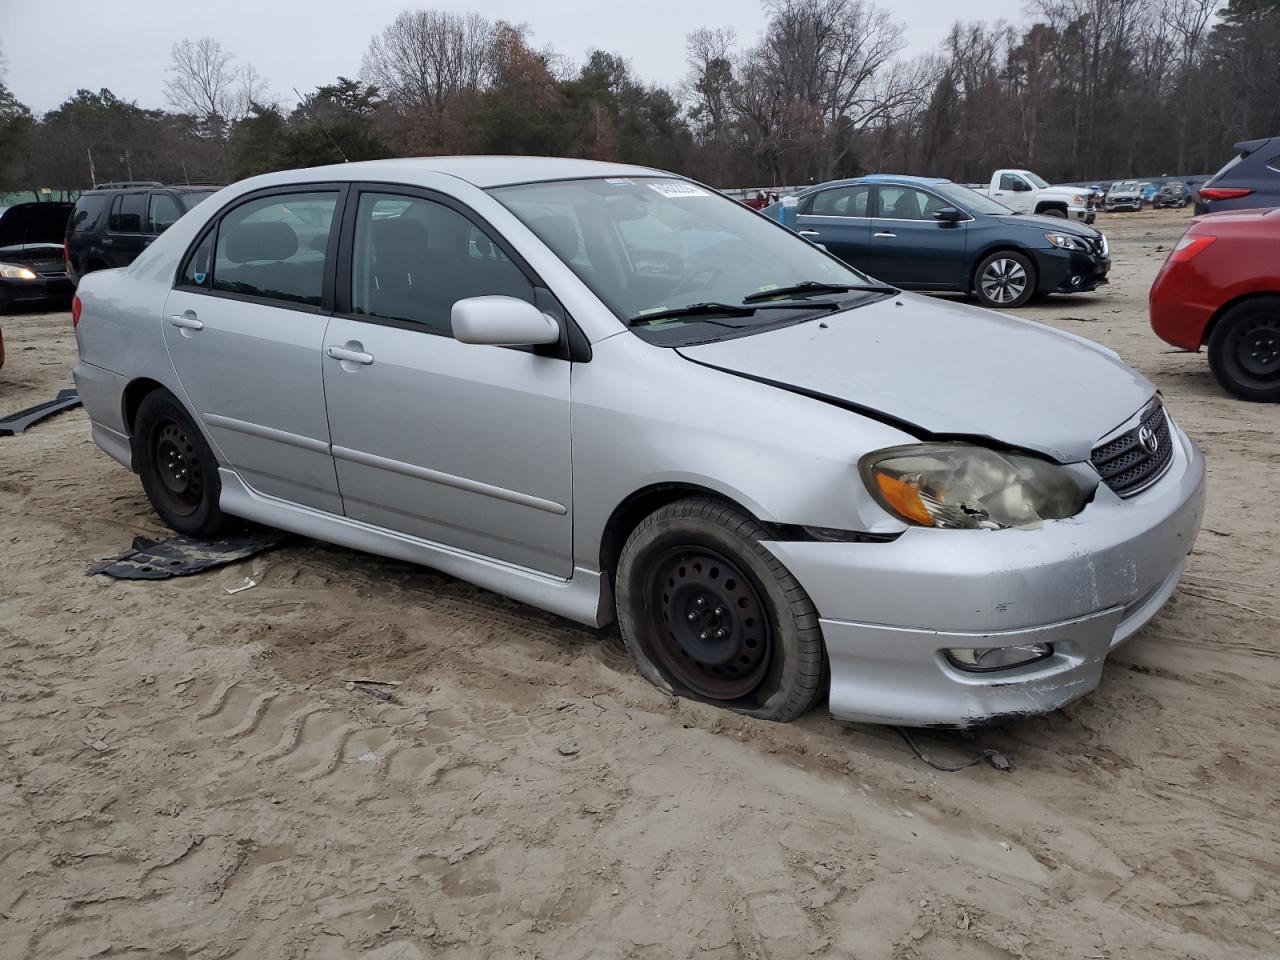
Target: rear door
460,444
839,219
911,247
126,236
244,327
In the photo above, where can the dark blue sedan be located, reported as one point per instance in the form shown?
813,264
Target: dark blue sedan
929,234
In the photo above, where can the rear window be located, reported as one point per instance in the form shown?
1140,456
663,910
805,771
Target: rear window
1227,166
89,211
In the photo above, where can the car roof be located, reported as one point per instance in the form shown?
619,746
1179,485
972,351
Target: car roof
901,178
479,171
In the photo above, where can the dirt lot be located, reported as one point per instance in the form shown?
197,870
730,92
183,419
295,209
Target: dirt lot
183,772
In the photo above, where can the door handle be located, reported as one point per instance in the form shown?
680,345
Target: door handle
885,234
808,233
350,355
187,321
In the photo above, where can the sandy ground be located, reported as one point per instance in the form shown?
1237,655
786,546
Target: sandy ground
183,772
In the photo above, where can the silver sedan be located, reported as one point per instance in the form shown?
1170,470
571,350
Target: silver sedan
613,393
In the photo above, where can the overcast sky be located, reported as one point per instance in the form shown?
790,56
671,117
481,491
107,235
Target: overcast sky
53,47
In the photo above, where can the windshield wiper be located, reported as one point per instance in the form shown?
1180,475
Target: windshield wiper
817,286
725,310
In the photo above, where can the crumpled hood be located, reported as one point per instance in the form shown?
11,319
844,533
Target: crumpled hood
941,368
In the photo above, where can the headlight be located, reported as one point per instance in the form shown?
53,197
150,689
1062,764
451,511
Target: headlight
962,486
13,271
1066,241
1078,200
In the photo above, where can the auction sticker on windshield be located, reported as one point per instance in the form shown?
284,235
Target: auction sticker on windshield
675,189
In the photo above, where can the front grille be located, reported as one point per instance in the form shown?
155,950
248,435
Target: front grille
54,275
1126,464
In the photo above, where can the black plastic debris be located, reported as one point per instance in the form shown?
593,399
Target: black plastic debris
16,423
182,556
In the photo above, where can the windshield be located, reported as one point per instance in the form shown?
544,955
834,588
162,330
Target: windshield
649,245
1127,186
1039,182
969,200
193,198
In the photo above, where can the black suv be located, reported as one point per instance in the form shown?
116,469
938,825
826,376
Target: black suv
115,222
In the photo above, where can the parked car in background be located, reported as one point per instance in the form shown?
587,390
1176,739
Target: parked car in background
1024,192
1124,195
113,223
1249,180
32,269
783,479
1173,194
923,233
1148,191
1220,288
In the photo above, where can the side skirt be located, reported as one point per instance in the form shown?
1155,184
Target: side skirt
585,597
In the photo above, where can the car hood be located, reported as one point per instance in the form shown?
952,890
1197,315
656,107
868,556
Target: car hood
936,368
1056,224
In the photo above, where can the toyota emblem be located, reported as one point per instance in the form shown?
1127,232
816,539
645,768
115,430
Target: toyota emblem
1150,442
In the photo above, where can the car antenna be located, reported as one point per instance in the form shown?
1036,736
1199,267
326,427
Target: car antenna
302,105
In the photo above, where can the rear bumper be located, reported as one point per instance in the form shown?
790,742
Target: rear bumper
102,393
1177,305
889,611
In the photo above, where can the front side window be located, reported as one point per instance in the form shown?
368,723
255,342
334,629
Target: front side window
274,247
841,202
413,259
905,203
197,272
126,213
162,213
1013,182
647,245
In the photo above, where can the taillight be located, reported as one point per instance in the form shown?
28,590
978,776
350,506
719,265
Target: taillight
1224,193
75,311
1189,246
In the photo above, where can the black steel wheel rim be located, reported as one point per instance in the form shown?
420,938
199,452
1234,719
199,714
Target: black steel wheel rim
1258,348
177,466
714,635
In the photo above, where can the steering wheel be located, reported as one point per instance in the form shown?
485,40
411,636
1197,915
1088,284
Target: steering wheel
699,279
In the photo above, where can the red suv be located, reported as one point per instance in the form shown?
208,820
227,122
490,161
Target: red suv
1221,287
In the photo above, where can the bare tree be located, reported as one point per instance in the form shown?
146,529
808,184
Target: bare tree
424,57
206,82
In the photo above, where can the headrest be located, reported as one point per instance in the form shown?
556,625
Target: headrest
270,240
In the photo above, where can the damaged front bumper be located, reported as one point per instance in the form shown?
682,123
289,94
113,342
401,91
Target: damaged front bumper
890,611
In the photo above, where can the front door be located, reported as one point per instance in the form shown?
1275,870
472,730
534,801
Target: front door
837,218
911,247
463,445
245,326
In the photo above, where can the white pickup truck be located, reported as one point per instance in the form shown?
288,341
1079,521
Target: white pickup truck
1023,191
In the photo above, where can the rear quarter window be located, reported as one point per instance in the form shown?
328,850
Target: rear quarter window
89,211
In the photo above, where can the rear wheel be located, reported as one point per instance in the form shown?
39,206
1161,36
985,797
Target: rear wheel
1005,279
1244,350
178,470
707,612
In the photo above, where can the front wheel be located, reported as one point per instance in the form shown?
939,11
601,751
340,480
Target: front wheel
1244,350
707,612
1005,279
178,470
1054,212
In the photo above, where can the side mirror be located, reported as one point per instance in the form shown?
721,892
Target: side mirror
948,215
502,322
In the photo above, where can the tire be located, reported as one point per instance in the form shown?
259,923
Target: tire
178,470
1244,350
1054,212
708,613
1016,268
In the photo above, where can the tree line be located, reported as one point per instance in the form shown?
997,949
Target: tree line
1085,89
